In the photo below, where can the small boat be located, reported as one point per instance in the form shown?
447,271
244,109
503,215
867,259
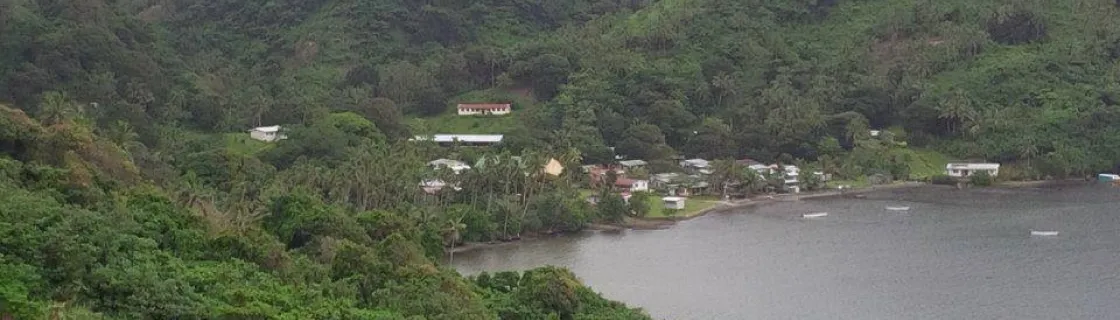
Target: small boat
898,208
815,215
1044,233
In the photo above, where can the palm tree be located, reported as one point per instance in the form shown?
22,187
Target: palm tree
725,172
57,107
452,232
957,108
726,86
1028,149
124,135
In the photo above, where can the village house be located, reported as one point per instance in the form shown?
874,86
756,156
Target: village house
674,203
679,184
472,109
632,164
477,140
267,134
967,169
631,185
790,177
455,165
432,186
697,165
596,175
553,168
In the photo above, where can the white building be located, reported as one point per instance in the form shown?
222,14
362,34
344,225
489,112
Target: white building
967,169
631,164
469,109
632,185
455,165
762,169
464,139
792,184
695,163
267,134
673,203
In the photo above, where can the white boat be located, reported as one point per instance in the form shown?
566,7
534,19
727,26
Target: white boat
1044,233
815,215
898,208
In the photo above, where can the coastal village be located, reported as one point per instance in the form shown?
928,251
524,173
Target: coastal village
689,187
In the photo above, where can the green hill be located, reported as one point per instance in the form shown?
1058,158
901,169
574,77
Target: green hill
137,108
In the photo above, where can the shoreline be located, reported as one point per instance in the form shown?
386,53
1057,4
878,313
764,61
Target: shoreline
662,223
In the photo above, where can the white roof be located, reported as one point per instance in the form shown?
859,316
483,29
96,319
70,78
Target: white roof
491,138
434,183
447,162
699,163
969,165
632,163
266,129
672,199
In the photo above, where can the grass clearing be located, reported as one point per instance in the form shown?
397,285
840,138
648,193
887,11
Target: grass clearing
692,206
240,143
451,122
926,163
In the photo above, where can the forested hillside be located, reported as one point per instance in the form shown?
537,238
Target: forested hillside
128,188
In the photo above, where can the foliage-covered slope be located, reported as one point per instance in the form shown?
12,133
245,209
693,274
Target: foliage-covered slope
79,241
1009,80
132,93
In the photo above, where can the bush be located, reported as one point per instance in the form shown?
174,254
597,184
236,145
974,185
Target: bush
982,179
943,180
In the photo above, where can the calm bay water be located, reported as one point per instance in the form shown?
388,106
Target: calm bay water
954,255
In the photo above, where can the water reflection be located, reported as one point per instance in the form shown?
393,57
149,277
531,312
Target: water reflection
954,255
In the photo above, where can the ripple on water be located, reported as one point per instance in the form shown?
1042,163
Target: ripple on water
957,254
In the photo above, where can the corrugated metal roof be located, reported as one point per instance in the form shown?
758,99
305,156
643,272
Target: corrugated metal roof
266,129
471,138
485,106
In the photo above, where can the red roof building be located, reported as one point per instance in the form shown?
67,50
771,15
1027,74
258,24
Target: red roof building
468,109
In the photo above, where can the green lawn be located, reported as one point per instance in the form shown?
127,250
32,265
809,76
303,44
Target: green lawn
456,124
692,206
926,163
858,183
451,122
240,143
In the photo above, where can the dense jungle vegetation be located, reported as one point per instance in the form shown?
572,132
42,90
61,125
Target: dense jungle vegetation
128,187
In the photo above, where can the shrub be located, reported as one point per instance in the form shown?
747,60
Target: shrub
982,179
942,179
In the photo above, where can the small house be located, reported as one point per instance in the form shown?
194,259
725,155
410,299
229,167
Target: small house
471,109
665,180
553,168
695,163
455,165
632,164
632,185
675,203
762,169
967,169
790,177
748,162
266,134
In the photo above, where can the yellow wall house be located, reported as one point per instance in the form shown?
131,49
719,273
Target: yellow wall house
553,167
